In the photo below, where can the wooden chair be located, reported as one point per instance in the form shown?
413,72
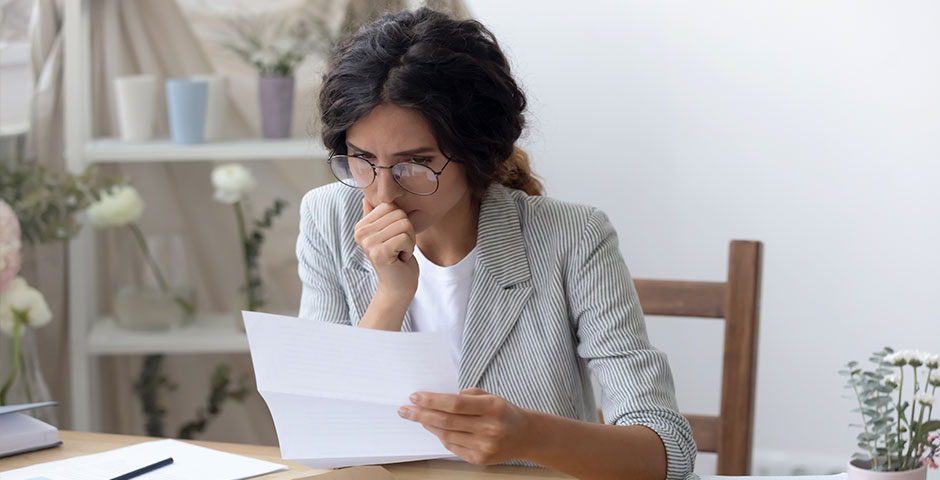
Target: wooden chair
737,301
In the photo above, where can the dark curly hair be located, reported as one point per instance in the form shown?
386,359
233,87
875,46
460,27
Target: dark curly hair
450,71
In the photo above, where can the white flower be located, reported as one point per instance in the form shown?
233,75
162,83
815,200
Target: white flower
119,206
285,45
934,379
899,358
916,358
19,296
264,58
232,181
923,399
891,381
932,361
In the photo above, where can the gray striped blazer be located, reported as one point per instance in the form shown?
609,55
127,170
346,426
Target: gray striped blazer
551,297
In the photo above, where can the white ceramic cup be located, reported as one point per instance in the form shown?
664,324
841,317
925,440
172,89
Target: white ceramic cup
215,106
136,97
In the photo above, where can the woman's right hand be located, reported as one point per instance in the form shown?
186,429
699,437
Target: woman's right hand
387,237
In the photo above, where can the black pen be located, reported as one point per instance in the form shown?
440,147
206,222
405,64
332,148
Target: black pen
143,470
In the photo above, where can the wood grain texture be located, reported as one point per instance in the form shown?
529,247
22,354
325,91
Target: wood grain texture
681,299
83,443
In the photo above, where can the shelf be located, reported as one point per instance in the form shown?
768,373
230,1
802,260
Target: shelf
207,333
112,150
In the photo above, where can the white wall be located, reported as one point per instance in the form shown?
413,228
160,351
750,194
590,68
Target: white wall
813,126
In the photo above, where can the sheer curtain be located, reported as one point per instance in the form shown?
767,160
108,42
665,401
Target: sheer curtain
172,39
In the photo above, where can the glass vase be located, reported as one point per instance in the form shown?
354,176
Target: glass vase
28,384
149,308
147,301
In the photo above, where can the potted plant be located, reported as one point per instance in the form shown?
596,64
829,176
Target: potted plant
899,437
275,50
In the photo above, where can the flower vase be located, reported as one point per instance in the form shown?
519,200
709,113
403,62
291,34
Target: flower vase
187,100
28,384
142,302
276,95
148,308
136,100
858,470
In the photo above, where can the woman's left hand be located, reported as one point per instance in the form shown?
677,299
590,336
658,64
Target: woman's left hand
478,427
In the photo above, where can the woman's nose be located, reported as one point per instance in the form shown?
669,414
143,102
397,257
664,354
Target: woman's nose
386,188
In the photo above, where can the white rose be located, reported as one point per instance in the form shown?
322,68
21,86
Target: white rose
119,206
232,182
19,296
923,399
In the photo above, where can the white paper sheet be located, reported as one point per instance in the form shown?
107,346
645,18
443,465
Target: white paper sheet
835,476
334,390
189,461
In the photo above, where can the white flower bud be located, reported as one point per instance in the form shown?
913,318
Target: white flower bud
923,399
232,182
932,361
934,379
117,207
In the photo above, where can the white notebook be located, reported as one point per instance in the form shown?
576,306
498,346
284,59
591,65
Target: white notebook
334,390
23,433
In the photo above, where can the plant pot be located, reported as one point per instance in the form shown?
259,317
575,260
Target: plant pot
276,95
858,470
148,308
186,101
136,99
216,106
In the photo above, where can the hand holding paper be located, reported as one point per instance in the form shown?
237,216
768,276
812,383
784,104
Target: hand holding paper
334,391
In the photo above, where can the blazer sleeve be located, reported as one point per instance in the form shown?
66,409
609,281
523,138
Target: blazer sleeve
322,297
635,377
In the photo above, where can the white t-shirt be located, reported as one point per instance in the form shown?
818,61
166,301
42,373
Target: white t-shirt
440,303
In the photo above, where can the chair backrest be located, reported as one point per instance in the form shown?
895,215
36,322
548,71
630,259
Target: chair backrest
737,301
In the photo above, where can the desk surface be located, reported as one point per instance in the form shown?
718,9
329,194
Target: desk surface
81,443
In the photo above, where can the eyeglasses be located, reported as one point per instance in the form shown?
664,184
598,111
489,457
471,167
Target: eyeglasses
357,172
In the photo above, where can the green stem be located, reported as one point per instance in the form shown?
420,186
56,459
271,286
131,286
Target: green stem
243,235
17,335
164,287
899,412
911,433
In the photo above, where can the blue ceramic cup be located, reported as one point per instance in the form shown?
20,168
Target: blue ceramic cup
186,100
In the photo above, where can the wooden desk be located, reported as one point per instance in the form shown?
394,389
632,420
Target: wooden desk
81,443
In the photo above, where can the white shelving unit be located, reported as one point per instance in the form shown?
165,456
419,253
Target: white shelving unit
90,334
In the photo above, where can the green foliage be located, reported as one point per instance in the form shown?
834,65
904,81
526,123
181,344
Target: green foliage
151,381
251,249
46,203
891,440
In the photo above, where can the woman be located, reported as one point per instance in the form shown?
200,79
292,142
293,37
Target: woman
444,230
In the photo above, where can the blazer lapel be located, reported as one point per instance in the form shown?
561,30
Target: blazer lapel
501,284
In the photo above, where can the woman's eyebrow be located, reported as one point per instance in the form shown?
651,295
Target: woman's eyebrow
406,152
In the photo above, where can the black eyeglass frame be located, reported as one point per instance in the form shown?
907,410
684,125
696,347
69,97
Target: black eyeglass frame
375,174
